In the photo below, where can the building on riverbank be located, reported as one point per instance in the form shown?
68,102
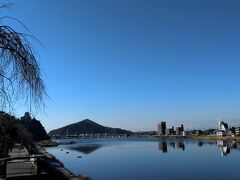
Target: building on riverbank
223,129
179,130
170,131
237,130
162,128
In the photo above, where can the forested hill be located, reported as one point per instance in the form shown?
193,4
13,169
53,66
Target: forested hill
34,127
86,127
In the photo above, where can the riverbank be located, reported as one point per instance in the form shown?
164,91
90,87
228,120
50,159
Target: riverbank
53,166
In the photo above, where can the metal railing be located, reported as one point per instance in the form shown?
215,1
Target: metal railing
20,166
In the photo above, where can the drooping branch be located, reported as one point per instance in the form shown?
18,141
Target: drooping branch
20,75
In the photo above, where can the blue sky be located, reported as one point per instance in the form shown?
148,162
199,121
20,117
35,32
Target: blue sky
131,64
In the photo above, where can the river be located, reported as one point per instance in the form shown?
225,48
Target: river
150,158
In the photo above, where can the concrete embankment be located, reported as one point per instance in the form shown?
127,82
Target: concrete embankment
53,166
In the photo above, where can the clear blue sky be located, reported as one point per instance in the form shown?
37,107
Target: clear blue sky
133,63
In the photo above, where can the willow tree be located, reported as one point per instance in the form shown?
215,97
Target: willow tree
20,80
20,75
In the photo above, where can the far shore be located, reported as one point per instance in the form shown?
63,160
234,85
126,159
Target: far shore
52,143
202,137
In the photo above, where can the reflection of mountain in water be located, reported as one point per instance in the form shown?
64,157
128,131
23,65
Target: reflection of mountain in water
86,149
225,146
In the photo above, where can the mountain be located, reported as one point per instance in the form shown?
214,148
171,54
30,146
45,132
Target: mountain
87,127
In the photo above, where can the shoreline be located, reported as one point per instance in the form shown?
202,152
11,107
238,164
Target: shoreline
54,167
52,143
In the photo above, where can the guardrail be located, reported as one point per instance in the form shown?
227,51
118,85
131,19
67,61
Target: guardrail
20,166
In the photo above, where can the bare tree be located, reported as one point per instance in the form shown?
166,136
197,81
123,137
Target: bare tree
20,75
20,79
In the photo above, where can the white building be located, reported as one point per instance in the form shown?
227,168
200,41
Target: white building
237,131
223,129
185,133
223,126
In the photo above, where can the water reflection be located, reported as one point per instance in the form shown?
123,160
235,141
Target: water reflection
224,146
162,146
180,145
151,158
86,149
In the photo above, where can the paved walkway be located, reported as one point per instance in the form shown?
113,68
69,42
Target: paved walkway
20,167
18,151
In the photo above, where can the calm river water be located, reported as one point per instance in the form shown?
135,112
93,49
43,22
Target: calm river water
150,158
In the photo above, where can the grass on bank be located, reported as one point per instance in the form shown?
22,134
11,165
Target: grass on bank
47,143
50,143
83,177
